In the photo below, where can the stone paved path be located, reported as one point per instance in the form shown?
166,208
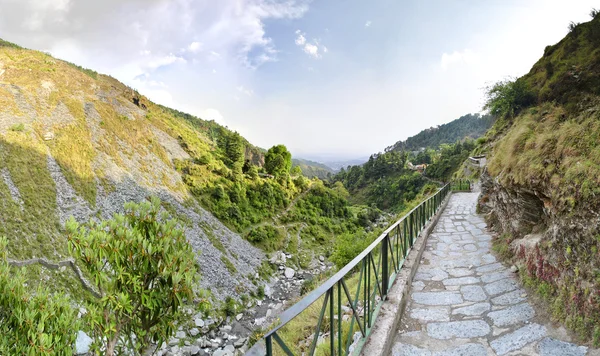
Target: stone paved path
465,302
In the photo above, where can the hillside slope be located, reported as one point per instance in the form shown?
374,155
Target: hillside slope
542,185
312,169
468,126
74,142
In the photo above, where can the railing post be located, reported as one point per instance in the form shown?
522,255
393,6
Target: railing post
384,265
331,323
269,343
339,312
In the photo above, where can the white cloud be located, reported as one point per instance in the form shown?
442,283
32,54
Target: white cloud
163,61
195,47
368,24
467,56
300,40
313,49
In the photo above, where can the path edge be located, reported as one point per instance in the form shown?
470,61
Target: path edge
382,337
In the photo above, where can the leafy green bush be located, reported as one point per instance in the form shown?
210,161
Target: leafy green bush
143,267
508,97
278,160
267,237
348,246
33,322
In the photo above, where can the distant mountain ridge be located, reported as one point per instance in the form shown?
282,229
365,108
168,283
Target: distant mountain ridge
312,169
467,126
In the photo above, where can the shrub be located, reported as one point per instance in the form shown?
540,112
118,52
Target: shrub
507,98
348,246
37,323
143,267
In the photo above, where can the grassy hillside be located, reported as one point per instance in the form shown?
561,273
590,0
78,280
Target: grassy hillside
468,126
544,176
77,143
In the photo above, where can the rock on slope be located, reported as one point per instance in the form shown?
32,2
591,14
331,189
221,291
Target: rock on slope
76,143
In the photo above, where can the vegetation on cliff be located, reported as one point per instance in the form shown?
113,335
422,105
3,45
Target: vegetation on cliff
544,155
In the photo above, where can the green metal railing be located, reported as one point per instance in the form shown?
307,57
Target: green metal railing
461,185
377,267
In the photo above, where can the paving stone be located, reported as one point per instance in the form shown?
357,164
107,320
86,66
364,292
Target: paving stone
490,267
460,281
422,276
501,286
460,329
495,276
431,314
488,258
512,315
463,262
409,350
418,286
437,298
438,274
473,310
553,347
470,247
460,272
473,293
513,297
518,339
464,350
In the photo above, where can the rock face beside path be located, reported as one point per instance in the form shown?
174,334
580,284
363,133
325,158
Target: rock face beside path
465,302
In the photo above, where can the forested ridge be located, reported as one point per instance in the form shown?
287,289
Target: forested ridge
468,126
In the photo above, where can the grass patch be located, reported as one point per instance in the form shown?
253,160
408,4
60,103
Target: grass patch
208,231
18,127
33,229
228,264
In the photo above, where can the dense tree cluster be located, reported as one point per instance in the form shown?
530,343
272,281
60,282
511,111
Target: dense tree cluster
382,181
450,159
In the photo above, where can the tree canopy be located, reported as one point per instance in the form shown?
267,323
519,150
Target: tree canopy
508,97
278,160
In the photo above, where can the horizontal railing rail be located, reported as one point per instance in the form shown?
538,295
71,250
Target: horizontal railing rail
377,267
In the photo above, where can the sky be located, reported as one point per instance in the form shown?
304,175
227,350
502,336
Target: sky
330,79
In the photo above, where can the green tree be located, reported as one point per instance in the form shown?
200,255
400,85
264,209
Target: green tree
143,267
234,150
253,172
278,160
296,171
33,322
507,98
